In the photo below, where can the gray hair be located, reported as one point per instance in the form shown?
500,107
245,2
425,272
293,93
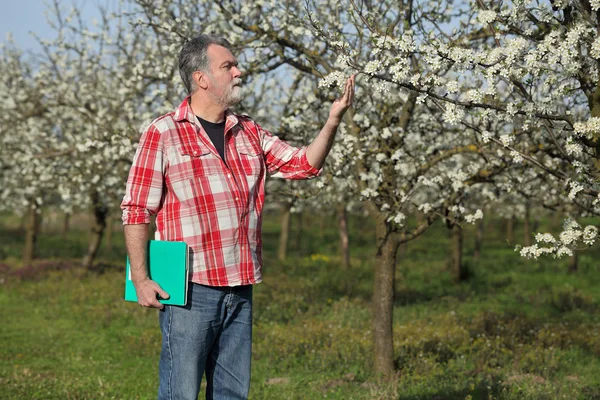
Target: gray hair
193,57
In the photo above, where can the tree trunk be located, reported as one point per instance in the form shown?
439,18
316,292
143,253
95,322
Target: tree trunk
527,226
322,226
383,298
456,266
420,217
510,230
98,226
536,224
344,241
284,234
33,221
66,225
401,251
480,229
299,228
109,233
573,263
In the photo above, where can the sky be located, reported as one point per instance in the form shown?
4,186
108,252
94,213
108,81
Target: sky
20,17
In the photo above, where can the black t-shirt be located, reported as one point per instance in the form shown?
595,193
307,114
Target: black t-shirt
216,133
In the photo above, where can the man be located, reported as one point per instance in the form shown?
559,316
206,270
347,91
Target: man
201,170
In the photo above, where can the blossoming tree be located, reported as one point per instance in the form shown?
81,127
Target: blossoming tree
395,151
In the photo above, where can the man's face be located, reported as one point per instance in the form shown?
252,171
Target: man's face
224,77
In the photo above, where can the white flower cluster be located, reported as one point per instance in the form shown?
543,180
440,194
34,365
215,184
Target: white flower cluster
471,218
572,147
398,218
372,67
474,96
400,70
335,78
486,136
453,114
595,50
425,207
369,193
576,187
456,209
458,179
589,128
569,238
452,86
516,156
507,139
486,16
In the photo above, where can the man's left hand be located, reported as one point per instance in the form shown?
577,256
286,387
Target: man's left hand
341,104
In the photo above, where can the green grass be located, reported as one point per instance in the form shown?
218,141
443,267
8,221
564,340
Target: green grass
516,329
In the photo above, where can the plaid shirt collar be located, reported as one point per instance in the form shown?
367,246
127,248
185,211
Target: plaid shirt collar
184,113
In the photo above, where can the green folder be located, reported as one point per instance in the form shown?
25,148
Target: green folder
167,266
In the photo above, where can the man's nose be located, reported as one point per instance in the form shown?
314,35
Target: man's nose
236,72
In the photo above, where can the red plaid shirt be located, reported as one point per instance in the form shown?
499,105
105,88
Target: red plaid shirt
216,208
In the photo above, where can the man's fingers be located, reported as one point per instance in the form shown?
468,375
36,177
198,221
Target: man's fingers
154,303
158,304
148,293
163,295
349,89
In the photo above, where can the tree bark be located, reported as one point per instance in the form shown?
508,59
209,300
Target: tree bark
479,232
33,221
344,238
98,226
527,226
510,230
573,263
401,251
456,266
322,226
299,228
66,225
109,233
536,224
383,298
284,234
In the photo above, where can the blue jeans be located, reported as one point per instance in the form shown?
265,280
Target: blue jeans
212,334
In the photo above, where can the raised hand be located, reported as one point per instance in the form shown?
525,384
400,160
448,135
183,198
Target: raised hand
341,104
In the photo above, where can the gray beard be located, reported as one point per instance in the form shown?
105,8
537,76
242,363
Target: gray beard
232,96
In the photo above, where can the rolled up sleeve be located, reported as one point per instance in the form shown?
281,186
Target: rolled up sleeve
145,183
284,160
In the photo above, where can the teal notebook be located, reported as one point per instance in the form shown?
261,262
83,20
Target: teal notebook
167,266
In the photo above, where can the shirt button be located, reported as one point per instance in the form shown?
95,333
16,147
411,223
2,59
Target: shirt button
237,198
195,153
229,175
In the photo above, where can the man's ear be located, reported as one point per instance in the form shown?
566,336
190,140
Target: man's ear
199,78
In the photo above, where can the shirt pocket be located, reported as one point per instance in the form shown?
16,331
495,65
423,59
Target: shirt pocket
191,174
251,161
201,160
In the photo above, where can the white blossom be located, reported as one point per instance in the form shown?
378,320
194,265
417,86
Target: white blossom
471,218
486,16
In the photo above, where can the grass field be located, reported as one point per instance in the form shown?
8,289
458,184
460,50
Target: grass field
515,330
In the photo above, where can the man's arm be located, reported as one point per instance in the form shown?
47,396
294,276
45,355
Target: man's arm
317,151
143,198
136,242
